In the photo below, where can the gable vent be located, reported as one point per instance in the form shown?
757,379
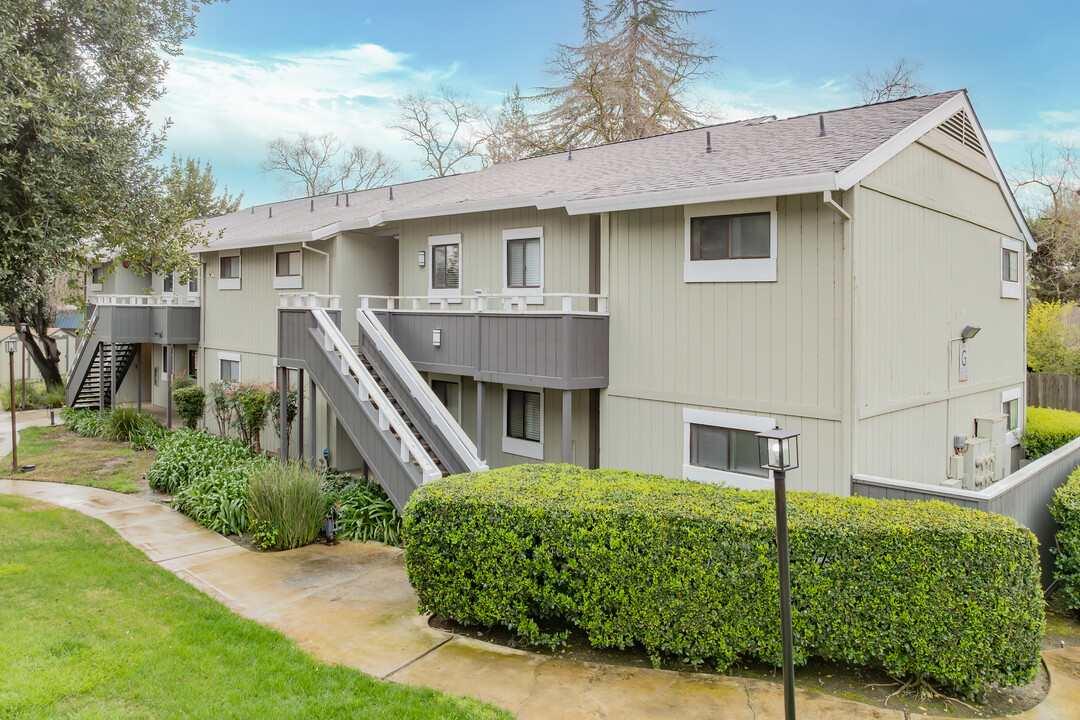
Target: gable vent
959,128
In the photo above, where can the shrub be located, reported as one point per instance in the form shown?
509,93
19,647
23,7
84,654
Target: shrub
37,396
687,569
222,405
83,421
290,409
218,501
187,455
1051,341
1046,429
251,402
183,380
1066,511
287,505
123,424
361,510
190,403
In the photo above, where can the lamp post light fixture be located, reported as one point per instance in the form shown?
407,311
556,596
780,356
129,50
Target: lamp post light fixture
778,450
10,344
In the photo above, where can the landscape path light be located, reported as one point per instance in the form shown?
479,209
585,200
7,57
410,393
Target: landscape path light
10,344
778,450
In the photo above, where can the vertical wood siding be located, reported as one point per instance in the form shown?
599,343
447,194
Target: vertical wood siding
927,264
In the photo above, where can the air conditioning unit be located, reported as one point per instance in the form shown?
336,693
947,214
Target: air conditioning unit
979,464
992,427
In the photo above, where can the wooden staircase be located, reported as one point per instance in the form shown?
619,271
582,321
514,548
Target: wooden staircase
95,385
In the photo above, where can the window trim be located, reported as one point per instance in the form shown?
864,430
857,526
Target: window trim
97,286
732,269
287,282
516,446
1009,289
224,283
731,421
231,357
452,294
527,233
1012,437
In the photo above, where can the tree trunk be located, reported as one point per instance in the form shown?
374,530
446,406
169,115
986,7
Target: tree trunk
41,349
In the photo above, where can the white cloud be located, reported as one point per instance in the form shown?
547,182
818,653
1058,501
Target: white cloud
226,106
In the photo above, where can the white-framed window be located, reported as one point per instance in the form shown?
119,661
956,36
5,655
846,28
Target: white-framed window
730,241
288,269
229,366
1012,406
1012,268
167,283
193,283
523,263
193,364
523,422
723,447
229,272
444,266
97,278
449,394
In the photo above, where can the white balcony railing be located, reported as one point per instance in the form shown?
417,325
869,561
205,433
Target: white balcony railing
170,299
309,300
579,303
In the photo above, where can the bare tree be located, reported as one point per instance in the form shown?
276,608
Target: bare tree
321,163
1051,183
899,80
629,78
450,129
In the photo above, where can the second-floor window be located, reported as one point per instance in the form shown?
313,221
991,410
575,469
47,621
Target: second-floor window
1011,269
167,283
288,269
729,237
523,263
229,277
446,266
97,275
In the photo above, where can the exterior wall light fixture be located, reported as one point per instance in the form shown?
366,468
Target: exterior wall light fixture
421,258
436,337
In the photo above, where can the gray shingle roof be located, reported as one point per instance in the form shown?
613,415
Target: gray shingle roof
747,151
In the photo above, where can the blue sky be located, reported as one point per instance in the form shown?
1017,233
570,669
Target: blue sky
260,68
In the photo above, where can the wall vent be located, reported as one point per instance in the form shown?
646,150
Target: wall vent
959,128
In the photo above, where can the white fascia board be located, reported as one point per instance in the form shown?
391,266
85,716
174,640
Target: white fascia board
860,169
253,242
459,208
771,187
886,151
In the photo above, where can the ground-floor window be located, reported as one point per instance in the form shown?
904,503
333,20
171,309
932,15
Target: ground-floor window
523,422
229,366
723,447
1010,408
193,364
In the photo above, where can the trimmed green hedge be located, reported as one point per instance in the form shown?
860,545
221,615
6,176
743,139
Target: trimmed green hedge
1046,429
1066,511
689,570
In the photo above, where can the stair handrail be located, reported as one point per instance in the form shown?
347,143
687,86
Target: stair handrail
80,349
424,395
410,447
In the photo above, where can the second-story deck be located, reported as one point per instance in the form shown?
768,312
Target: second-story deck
167,319
561,343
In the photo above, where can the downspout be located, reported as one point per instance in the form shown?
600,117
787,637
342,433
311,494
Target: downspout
827,198
849,345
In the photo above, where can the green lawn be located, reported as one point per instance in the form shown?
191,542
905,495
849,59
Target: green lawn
63,456
92,629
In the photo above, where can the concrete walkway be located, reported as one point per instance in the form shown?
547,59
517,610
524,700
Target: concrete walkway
352,604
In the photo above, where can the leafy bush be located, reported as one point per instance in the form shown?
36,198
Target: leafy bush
218,501
687,569
1046,429
187,455
122,424
83,421
1066,511
183,380
221,404
190,403
361,510
290,409
251,402
1052,344
287,505
37,396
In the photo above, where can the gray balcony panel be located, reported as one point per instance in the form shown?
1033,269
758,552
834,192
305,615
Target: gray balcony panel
554,350
161,324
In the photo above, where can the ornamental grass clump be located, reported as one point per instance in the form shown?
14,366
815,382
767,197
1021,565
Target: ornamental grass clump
287,505
922,590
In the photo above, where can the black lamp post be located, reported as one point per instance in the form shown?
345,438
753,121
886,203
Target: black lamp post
23,327
778,451
10,344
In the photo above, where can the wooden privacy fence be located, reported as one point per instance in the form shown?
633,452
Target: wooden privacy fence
1050,390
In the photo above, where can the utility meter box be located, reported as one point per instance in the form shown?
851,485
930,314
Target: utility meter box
978,464
993,426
